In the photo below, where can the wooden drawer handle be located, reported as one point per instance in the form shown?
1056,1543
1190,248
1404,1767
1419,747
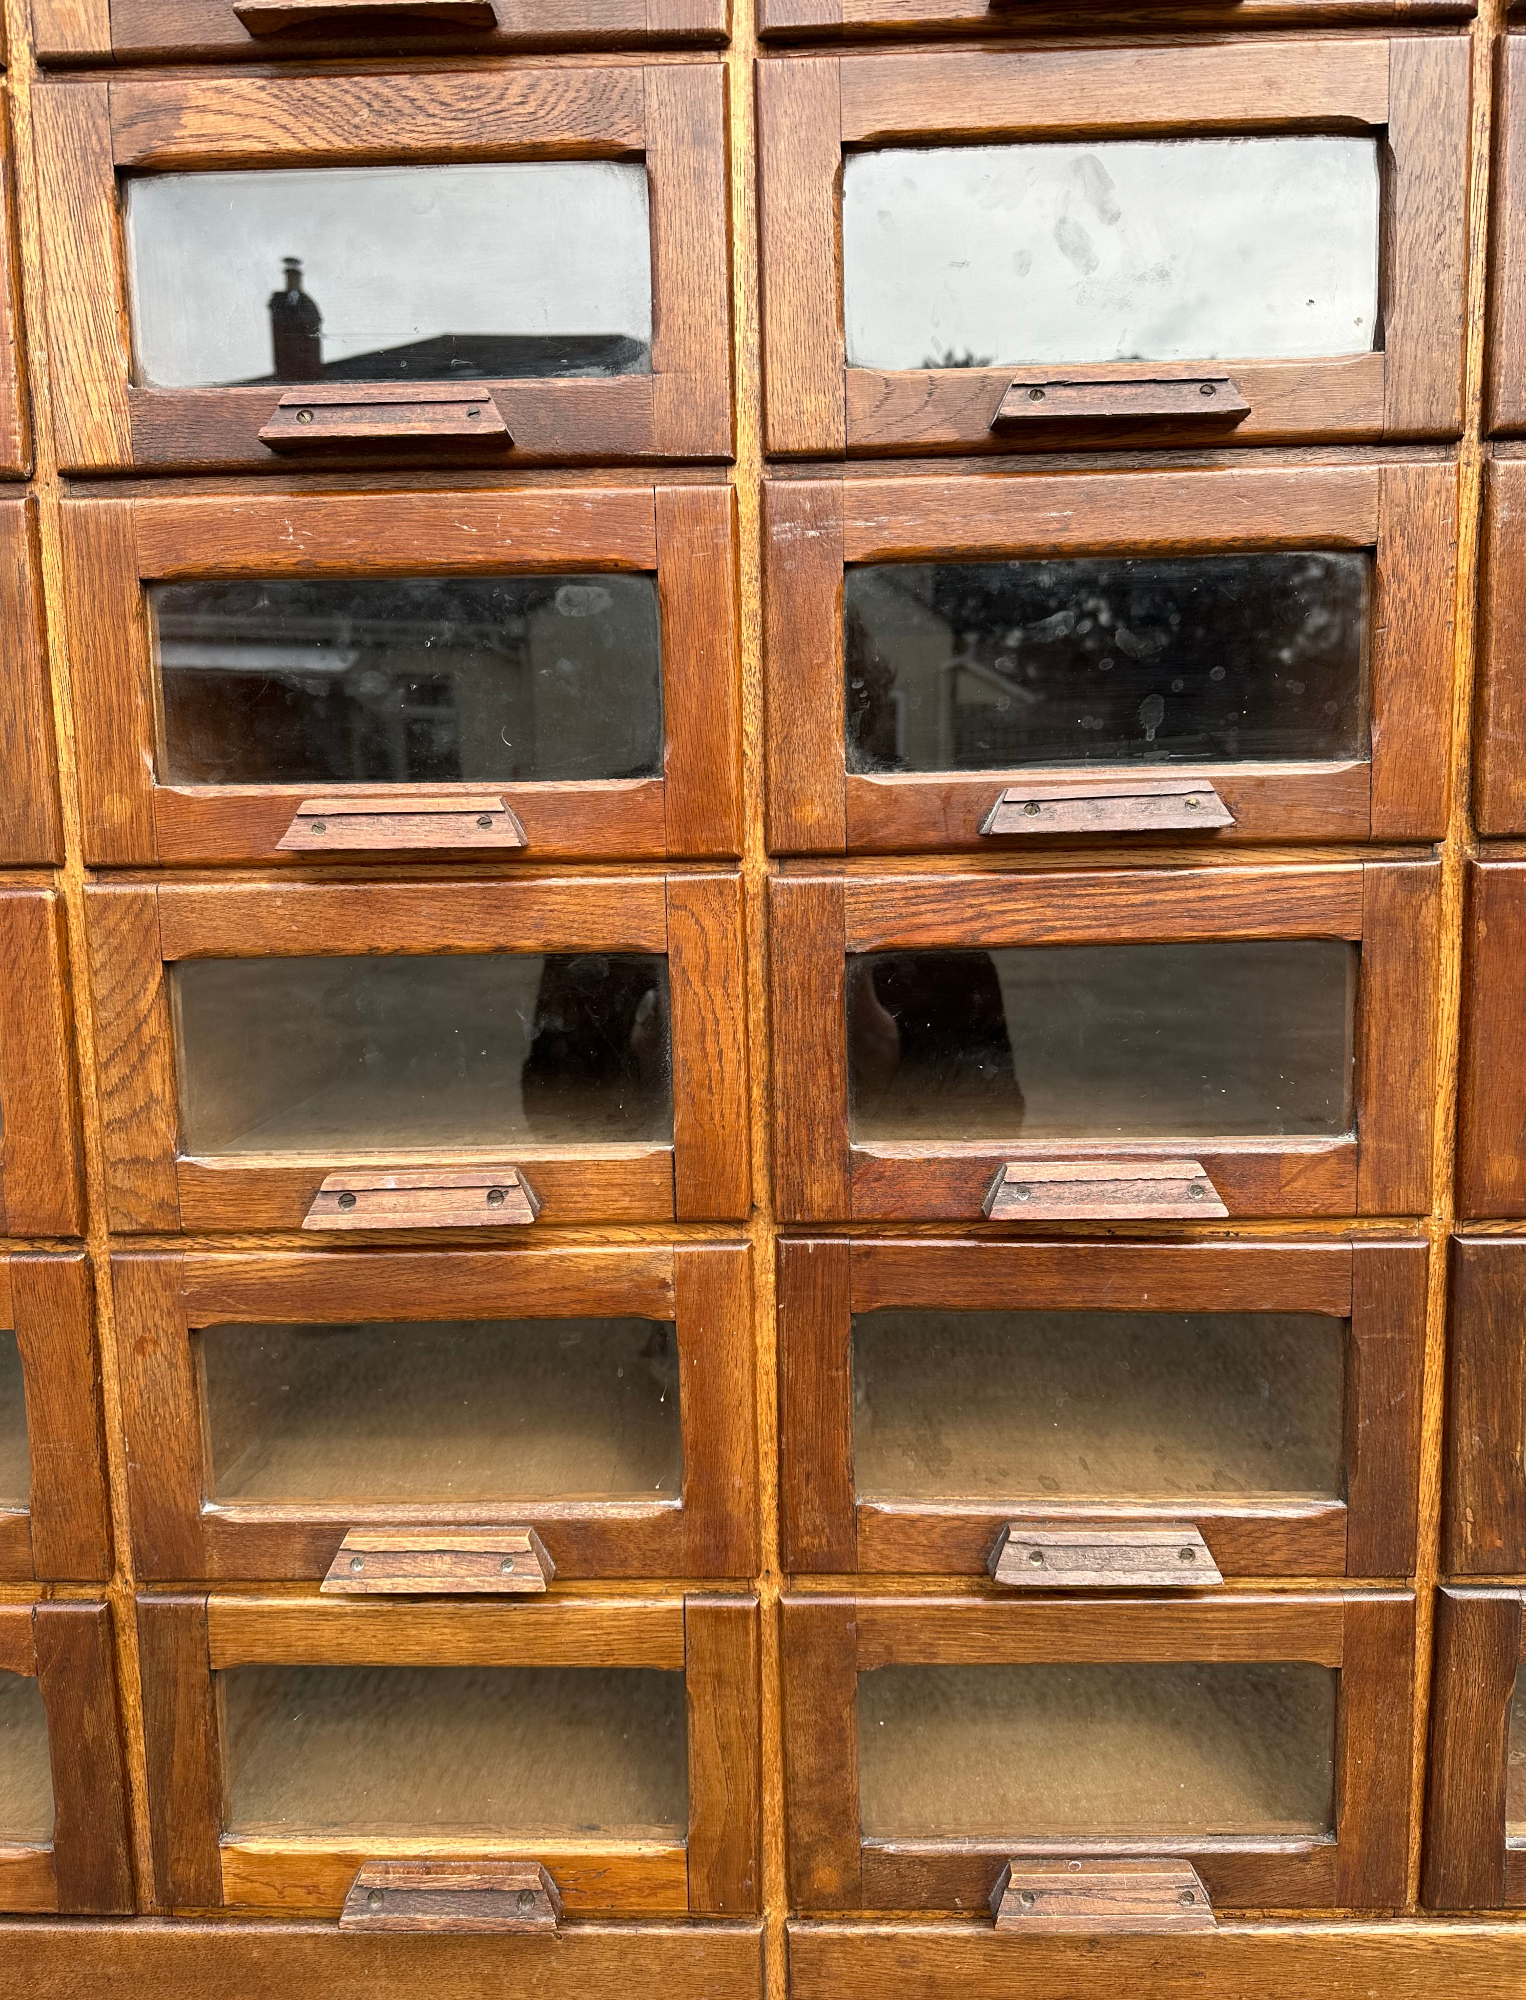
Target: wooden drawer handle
439,1562
1179,399
1071,1555
377,822
1045,1190
1107,805
452,1896
276,17
329,416
1144,1893
423,1198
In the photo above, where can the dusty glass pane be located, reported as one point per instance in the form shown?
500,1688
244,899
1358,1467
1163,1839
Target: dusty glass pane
1113,250
303,1055
557,1409
1034,1406
1106,660
381,274
1018,1752
15,1466
1103,1041
489,1751
414,680
26,1776
1515,1767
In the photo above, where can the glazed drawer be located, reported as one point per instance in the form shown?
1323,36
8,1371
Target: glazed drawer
1170,1413
63,1788
931,1742
293,1740
500,676
54,1510
602,1398
443,1054
938,230
39,1135
1119,1044
1214,655
587,315
1491,1084
1475,1822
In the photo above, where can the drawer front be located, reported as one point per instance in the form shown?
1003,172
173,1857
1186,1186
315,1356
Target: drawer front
591,196
63,1788
276,1406
1499,768
54,1509
352,1057
1230,655
1485,1507
911,359
1475,1825
39,1119
29,823
1269,1037
948,1408
615,1742
1491,1087
928,1743
1504,402
493,677
782,21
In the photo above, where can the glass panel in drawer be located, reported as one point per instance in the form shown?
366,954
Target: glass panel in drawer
416,680
386,274
1114,250
304,1055
15,1466
485,1751
1037,1751
1106,660
1145,1041
564,1409
26,1776
1036,1406
1515,1766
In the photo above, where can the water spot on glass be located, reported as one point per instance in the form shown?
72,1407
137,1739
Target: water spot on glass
1177,686
1152,713
1215,673
1295,687
582,600
1075,245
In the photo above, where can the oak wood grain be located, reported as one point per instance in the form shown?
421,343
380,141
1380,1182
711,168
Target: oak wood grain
1478,1651
29,823
701,670
40,1164
1484,1501
1491,1081
721,1684
181,1741
77,1678
52,1310
712,1171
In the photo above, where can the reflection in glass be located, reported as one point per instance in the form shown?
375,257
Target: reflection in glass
382,274
15,1466
1144,1041
1105,660
1114,250
318,1055
484,1410
1018,1752
484,1751
414,680
1515,1765
1035,1406
26,1776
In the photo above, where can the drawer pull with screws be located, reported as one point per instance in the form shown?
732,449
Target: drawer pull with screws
1089,1555
381,822
439,1562
1108,805
330,416
1133,1893
1045,1190
1177,399
417,1895
423,1198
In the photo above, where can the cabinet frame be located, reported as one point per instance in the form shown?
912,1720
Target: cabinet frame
828,1641
685,535
179,1533
1379,1287
673,115
810,108
64,1534
1390,908
15,421
815,528
1480,1644
40,1193
86,1868
704,1173
1491,1081
184,1640
1499,737
1484,1515
30,829
781,21
1504,394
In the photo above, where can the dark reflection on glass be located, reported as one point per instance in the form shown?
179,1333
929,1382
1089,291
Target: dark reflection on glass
440,1411
390,1053
26,1775
1103,1041
1016,1407
1515,1769
409,680
15,1465
1106,660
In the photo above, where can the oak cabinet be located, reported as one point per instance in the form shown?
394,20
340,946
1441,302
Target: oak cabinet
493,676
30,832
781,21
1475,1821
941,1401
54,1509
39,1129
1484,1515
1491,1089
1218,655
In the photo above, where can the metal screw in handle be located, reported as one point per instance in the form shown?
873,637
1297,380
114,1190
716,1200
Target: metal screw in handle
357,1564
506,1567
496,1197
484,820
347,1201
375,1898
527,1899
1207,389
1187,1898
1035,395
1192,804
1036,1557
1186,1555
304,416
1197,1190
1021,1193
320,826
1032,807
1026,1898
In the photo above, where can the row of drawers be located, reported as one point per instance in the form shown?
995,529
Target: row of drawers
938,1403
476,1054
930,1745
134,388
